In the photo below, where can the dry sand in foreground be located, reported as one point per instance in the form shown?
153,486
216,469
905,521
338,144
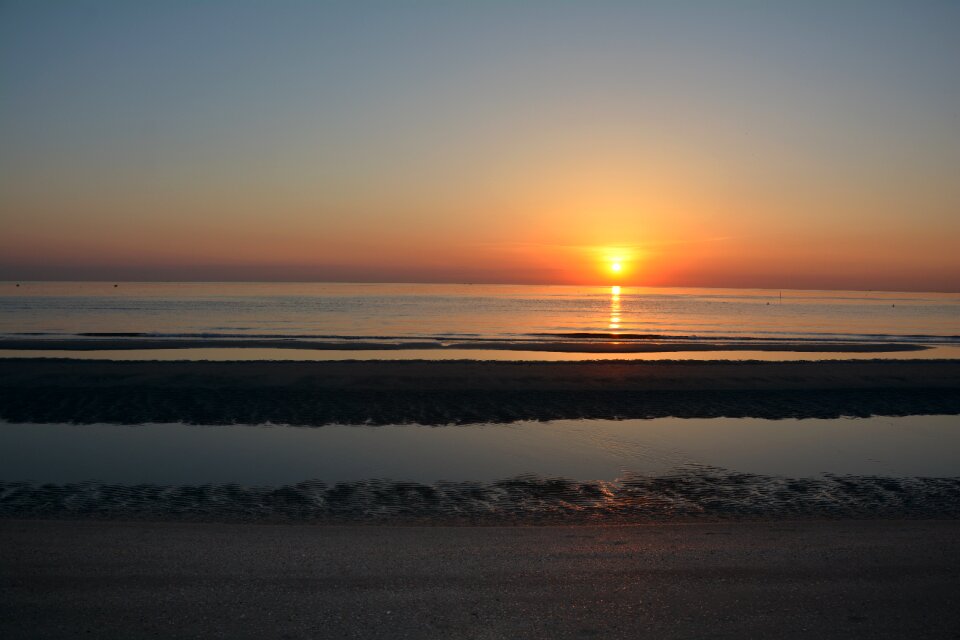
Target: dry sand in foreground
878,579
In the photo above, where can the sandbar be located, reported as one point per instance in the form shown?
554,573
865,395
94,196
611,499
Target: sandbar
450,392
624,344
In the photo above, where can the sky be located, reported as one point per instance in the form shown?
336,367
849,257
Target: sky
738,144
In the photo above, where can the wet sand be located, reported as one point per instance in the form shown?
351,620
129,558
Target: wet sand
621,344
880,579
448,392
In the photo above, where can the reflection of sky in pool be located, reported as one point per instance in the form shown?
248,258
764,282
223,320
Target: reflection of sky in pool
582,450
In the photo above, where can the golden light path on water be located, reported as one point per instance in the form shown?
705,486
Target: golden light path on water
255,353
614,307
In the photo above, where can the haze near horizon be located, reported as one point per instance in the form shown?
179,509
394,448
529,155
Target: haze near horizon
740,144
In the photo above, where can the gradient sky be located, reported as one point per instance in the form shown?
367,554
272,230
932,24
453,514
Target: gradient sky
787,145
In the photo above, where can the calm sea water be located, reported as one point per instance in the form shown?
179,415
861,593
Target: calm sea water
577,449
469,312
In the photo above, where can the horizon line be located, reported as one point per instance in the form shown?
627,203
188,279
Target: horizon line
477,283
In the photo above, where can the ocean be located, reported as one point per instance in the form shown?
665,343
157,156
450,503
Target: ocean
421,316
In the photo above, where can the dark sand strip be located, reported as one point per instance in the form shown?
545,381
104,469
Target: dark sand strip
881,579
621,345
448,392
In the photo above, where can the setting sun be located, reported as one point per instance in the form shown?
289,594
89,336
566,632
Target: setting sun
616,267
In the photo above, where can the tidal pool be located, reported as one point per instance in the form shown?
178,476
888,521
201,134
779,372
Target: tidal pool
577,449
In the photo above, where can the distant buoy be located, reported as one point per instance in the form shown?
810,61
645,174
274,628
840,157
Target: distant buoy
115,286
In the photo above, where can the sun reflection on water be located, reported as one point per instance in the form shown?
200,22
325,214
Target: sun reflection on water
614,308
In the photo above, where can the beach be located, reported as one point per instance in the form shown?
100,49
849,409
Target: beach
676,481
508,478
784,579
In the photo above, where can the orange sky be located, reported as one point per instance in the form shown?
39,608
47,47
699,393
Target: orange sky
773,148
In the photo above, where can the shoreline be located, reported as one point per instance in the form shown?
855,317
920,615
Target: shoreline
691,494
462,392
624,344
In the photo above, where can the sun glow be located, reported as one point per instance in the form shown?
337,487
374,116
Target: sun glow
614,264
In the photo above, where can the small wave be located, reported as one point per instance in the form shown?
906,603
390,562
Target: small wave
690,493
767,336
534,338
